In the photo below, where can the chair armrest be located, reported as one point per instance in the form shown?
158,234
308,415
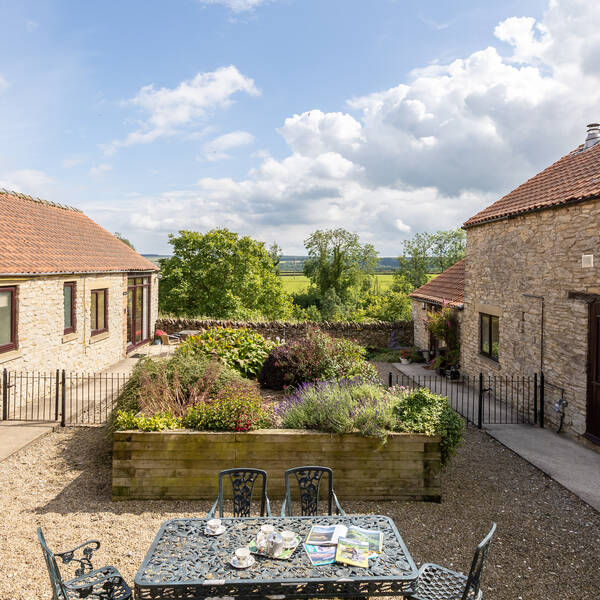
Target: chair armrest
283,507
338,508
268,505
211,513
85,562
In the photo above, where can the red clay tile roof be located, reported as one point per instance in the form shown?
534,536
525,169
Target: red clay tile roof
574,177
448,287
42,237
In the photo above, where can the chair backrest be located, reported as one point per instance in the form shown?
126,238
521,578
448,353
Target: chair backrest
242,484
58,589
309,484
474,579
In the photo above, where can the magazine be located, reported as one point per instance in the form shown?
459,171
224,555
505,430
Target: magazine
320,535
352,552
320,555
373,537
328,536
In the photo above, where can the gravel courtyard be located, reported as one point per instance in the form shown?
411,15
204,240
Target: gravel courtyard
546,546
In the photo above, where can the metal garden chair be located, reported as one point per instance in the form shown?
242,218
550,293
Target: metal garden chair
242,484
439,583
309,483
94,584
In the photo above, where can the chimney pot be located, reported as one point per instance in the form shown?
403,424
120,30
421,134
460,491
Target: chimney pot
593,135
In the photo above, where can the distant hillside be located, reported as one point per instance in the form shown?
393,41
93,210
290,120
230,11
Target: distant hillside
154,258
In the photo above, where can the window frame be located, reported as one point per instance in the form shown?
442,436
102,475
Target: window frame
12,345
482,352
97,292
73,286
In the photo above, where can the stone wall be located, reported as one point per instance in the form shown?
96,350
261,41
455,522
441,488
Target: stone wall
537,254
42,345
381,334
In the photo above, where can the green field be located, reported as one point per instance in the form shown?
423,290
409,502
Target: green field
297,283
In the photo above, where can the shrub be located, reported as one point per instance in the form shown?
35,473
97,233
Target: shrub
339,407
242,349
126,420
234,409
318,357
421,411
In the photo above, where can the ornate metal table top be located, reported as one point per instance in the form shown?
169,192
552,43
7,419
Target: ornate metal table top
185,563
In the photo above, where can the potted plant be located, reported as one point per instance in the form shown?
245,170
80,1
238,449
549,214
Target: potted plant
404,356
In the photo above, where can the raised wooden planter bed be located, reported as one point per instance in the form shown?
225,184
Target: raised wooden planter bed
184,464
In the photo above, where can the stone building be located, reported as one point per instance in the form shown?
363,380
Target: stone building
446,289
72,296
532,286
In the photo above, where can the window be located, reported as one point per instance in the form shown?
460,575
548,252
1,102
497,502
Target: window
138,310
69,307
8,318
489,335
99,311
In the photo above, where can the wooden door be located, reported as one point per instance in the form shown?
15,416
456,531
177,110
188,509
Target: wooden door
593,399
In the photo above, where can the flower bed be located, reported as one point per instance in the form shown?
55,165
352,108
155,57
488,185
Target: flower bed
184,464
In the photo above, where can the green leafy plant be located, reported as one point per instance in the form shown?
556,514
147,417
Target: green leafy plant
422,411
126,420
242,349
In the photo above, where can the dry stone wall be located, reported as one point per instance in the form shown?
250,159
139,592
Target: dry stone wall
381,334
538,254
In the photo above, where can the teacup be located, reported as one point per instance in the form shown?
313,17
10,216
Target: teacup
242,555
263,535
213,525
289,538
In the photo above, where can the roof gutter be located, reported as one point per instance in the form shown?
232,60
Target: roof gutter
451,303
569,202
28,275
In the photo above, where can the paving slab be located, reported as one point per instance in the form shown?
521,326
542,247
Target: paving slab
572,465
15,435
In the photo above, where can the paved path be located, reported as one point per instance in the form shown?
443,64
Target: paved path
571,464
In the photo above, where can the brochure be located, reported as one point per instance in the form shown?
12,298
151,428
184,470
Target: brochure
321,535
373,537
352,552
320,555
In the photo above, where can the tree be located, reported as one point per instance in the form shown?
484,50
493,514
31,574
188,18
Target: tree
431,251
338,262
275,254
124,240
221,275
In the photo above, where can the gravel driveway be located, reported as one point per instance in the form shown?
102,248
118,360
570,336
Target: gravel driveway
546,546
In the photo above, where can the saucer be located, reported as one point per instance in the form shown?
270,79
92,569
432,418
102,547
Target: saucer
234,562
218,531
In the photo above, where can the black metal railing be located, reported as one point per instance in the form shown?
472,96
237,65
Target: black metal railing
484,399
61,396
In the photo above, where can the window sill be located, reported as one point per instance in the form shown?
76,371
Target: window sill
490,361
98,337
69,337
10,355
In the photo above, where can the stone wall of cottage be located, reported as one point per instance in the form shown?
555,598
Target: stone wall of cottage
42,345
381,334
537,254
419,315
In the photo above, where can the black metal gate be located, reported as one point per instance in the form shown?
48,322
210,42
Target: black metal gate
485,399
58,396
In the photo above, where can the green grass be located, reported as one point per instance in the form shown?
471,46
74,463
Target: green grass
298,283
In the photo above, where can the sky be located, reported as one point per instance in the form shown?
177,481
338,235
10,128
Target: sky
275,118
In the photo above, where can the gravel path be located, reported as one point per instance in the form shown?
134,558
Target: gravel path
545,547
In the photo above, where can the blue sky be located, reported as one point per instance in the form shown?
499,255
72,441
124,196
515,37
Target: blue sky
278,117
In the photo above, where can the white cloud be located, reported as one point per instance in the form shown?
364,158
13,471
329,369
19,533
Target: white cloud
423,155
171,110
217,149
27,181
99,170
74,161
237,6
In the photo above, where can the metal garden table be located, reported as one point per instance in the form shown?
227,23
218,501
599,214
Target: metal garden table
185,563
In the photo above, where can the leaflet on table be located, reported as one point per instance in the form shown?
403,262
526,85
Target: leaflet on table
352,552
320,555
328,536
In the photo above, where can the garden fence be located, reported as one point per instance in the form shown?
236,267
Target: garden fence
61,396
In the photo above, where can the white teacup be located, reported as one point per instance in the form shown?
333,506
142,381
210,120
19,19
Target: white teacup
213,525
242,555
289,538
